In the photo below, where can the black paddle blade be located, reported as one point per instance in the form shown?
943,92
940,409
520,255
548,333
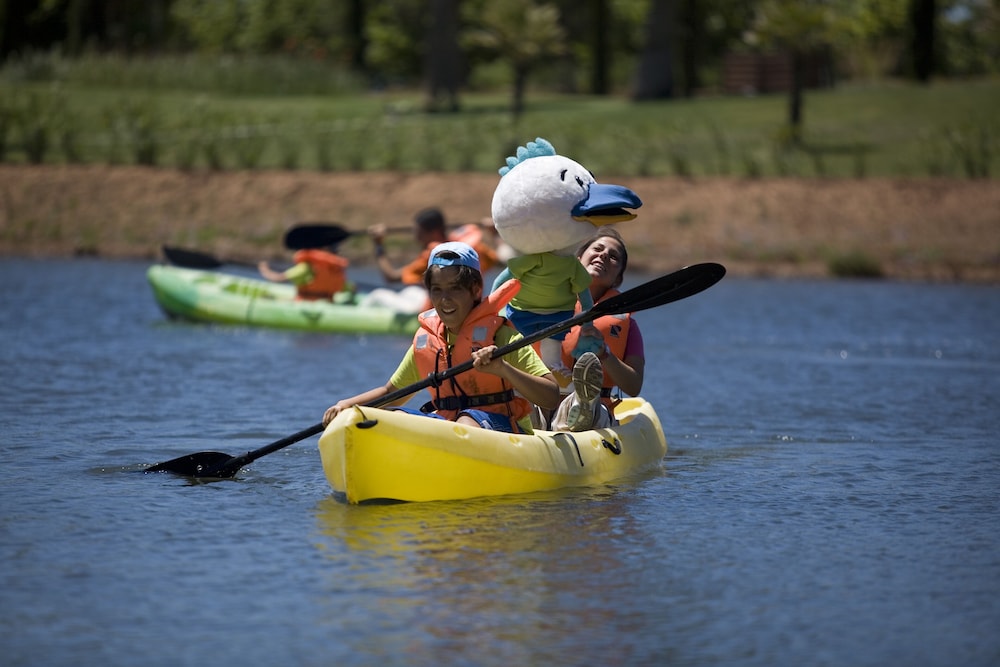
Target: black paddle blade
663,290
202,464
190,259
305,236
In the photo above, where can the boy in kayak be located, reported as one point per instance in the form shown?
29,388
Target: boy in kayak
461,326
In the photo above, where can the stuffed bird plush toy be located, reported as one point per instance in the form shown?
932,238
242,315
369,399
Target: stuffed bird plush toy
545,207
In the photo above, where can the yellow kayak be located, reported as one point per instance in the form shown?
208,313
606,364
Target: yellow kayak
370,453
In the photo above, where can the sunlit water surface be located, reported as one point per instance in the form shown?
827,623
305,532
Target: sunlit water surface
830,497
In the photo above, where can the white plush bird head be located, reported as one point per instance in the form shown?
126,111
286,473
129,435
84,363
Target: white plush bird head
548,203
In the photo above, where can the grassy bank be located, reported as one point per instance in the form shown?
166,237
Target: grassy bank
109,116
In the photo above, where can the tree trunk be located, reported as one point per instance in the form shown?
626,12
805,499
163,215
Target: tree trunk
520,83
656,74
923,17
356,36
692,38
599,52
795,97
442,64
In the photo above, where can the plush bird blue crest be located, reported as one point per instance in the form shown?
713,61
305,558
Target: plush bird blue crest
532,149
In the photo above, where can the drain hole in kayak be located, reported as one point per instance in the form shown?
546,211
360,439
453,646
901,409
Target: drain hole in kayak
368,423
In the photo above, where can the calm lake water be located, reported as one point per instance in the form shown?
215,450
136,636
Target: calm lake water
831,494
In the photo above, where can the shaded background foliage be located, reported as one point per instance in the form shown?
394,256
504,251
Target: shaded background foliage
592,46
182,66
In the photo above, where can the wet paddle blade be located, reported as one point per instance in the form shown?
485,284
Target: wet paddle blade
193,465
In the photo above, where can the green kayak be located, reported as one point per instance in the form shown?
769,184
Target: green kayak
210,296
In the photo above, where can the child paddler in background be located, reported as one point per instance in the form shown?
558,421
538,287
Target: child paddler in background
429,230
462,325
318,273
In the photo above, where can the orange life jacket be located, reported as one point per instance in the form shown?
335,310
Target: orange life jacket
328,273
472,389
615,329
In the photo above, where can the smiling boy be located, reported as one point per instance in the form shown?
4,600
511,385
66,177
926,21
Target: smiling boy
462,325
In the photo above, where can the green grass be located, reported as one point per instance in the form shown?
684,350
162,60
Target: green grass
185,120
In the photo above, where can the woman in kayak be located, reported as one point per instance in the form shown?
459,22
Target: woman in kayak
612,350
461,326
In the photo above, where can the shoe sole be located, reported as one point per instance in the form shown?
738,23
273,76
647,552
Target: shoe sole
588,377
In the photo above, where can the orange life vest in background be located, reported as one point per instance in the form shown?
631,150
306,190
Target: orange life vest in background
472,389
328,270
472,234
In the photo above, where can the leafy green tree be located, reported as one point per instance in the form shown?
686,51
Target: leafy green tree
798,27
213,25
873,36
523,33
395,31
296,27
970,37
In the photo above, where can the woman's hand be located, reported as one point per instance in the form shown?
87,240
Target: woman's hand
590,340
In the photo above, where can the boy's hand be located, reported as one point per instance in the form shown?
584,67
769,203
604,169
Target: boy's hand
482,360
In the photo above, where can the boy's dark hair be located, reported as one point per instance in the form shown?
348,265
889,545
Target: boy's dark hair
468,277
430,219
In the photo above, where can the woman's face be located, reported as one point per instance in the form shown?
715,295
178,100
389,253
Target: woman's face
451,300
603,261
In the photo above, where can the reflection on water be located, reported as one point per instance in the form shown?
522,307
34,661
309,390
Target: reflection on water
508,572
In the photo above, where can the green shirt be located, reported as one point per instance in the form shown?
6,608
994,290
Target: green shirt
549,282
300,274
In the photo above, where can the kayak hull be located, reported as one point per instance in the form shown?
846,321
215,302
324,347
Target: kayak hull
221,298
371,454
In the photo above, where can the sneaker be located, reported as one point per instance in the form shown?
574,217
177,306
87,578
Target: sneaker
588,377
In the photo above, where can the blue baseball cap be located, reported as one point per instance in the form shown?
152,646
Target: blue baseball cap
466,256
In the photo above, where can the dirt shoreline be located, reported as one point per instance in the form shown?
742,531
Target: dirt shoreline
912,229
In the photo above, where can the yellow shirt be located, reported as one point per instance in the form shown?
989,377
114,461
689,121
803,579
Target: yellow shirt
524,358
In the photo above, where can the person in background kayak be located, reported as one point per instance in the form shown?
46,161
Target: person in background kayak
317,273
613,354
464,325
430,229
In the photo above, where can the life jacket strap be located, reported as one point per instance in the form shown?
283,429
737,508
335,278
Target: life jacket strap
466,402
